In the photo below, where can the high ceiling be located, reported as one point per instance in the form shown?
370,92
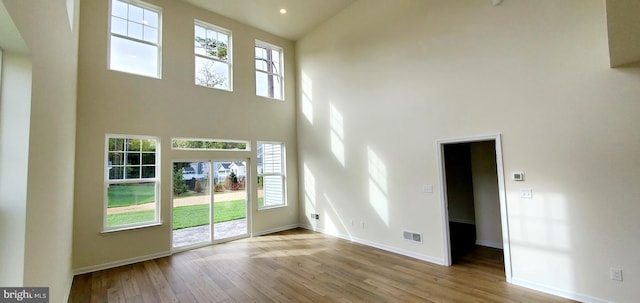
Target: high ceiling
302,15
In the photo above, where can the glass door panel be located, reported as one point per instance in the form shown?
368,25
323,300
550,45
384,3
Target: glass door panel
230,199
191,204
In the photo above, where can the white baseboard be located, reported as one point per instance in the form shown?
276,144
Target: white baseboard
274,230
489,244
558,292
94,268
388,248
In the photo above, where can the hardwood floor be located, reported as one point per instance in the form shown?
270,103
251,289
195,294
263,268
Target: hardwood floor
302,266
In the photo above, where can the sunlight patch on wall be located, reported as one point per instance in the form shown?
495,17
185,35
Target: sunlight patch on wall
378,186
336,214
337,134
539,230
309,186
542,222
307,93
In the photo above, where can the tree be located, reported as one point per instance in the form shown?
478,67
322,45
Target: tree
207,76
179,186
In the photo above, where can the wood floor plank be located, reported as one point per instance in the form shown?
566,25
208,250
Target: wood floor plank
303,266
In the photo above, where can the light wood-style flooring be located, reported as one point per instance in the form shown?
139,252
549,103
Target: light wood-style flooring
303,266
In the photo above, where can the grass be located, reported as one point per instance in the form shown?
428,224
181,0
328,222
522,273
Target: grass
130,194
186,216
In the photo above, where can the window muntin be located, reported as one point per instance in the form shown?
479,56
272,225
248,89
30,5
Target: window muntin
269,72
131,182
135,38
271,175
212,48
210,144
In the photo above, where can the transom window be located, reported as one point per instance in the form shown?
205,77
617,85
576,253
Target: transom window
213,56
269,73
131,182
271,175
209,144
135,38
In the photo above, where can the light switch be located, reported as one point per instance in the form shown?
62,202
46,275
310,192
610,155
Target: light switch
526,194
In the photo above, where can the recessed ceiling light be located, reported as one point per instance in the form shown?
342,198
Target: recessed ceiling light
283,10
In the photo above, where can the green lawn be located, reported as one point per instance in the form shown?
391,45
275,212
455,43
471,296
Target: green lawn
187,216
130,194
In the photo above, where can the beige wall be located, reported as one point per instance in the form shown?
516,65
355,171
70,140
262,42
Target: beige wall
405,75
14,159
119,103
44,26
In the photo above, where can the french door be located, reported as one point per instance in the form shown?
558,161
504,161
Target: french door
210,202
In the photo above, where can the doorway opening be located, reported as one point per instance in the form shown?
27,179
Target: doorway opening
474,203
210,202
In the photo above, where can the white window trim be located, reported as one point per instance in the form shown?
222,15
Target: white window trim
269,46
107,182
229,62
157,45
283,175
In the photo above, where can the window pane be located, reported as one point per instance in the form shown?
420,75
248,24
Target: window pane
148,158
272,158
261,53
135,30
116,159
148,172
201,32
223,38
133,159
118,26
116,172
133,144
150,34
133,172
261,64
211,73
133,57
119,9
149,145
135,14
262,85
131,204
275,56
116,144
150,18
209,144
277,87
272,191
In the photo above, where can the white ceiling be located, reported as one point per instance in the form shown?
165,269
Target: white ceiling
302,15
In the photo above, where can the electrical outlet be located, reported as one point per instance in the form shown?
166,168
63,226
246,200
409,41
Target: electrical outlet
616,274
312,216
317,216
362,224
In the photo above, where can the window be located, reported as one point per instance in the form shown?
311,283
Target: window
269,71
135,38
271,175
209,144
213,56
131,182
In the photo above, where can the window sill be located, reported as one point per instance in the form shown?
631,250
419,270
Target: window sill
272,207
130,227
